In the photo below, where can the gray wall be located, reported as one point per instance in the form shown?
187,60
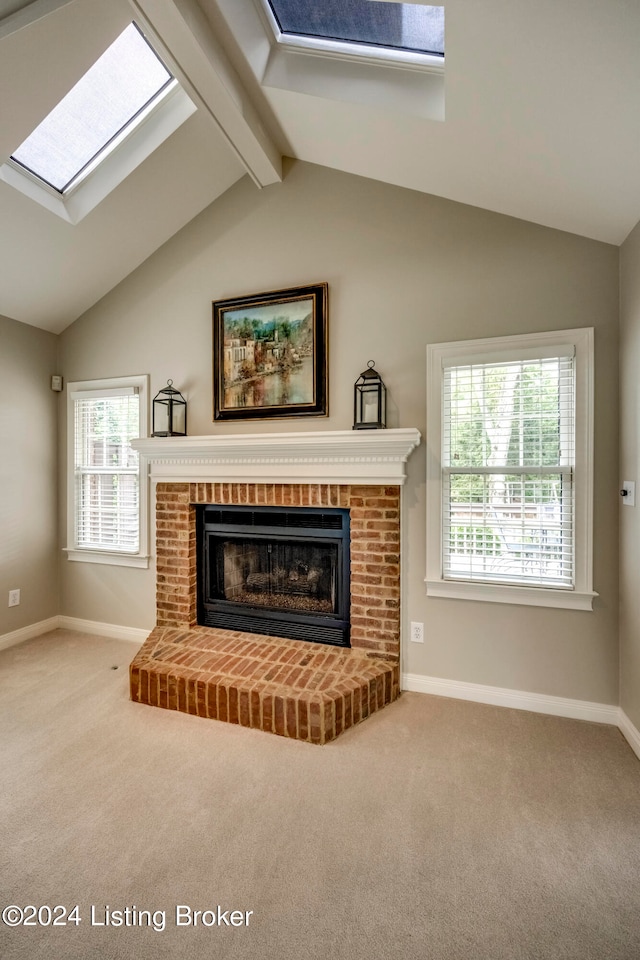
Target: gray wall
404,269
28,475
629,453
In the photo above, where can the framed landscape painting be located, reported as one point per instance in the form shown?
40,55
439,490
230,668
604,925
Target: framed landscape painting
270,355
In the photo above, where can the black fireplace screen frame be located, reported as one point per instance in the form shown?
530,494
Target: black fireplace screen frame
312,526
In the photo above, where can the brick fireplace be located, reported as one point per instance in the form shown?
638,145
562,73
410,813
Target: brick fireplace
290,687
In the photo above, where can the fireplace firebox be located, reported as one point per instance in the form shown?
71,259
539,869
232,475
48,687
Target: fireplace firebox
269,570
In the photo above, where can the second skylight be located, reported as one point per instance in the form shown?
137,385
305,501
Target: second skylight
395,26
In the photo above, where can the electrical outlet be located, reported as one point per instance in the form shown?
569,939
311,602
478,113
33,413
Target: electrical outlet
417,632
14,598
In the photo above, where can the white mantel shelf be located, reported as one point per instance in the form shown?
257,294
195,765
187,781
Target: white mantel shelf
330,456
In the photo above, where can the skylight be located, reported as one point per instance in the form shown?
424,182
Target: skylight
127,79
393,26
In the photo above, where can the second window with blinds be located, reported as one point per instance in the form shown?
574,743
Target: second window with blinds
509,473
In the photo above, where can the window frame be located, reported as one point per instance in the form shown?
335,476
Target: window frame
494,349
351,49
135,142
75,390
416,90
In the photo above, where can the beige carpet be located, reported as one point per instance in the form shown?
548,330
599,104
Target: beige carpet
436,829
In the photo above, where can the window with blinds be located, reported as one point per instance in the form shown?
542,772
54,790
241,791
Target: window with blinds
106,496
510,469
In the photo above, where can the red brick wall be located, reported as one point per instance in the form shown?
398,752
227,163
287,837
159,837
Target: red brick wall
375,550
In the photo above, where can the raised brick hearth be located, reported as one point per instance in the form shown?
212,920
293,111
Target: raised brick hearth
293,688
307,691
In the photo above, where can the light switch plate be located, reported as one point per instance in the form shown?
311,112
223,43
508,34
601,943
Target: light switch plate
629,498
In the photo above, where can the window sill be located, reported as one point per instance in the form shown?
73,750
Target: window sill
112,559
415,92
136,144
502,593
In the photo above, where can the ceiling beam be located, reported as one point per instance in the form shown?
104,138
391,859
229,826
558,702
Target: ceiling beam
186,39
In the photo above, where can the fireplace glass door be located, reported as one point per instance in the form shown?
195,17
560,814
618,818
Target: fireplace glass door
275,572
283,575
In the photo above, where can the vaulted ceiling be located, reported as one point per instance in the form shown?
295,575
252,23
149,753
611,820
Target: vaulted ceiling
538,117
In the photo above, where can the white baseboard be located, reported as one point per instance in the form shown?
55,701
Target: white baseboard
516,699
134,634
629,732
28,633
456,689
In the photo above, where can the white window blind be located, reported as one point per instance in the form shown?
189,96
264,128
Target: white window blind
106,470
508,470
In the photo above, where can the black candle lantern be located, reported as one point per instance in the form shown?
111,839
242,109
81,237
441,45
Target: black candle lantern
369,400
169,413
